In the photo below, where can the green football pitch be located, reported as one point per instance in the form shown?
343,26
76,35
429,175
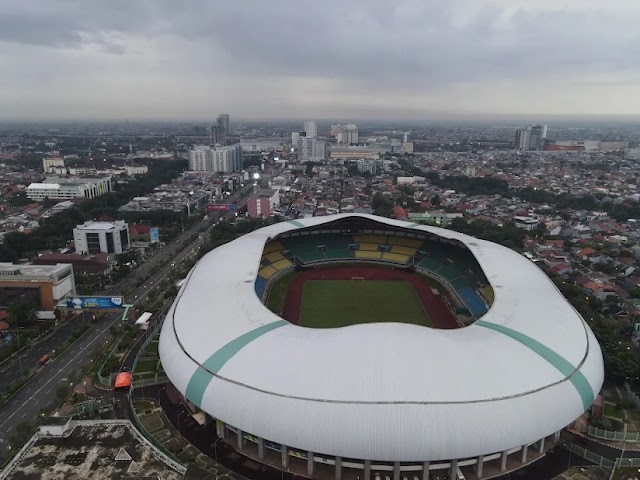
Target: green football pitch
339,303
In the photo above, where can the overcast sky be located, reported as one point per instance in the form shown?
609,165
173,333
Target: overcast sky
182,59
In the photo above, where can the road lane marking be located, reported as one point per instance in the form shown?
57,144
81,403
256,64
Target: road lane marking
54,377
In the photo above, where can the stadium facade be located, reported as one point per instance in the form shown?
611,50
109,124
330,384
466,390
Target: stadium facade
487,398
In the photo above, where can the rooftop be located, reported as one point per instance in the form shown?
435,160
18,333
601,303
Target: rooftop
99,225
90,450
11,270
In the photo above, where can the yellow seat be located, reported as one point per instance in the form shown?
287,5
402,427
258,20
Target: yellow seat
370,239
406,242
267,272
403,250
272,247
487,292
282,264
274,256
372,247
368,254
394,257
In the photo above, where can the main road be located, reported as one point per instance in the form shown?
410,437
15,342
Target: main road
39,392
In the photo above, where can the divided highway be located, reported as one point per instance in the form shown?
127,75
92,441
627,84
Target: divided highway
39,392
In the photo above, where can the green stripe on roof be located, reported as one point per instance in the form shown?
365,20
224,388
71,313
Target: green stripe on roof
414,225
296,223
576,377
203,375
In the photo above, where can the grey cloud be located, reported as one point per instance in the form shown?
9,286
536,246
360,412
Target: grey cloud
370,46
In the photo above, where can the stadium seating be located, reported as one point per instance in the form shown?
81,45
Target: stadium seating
487,292
272,247
307,248
404,250
396,257
260,285
267,272
274,257
457,265
407,242
473,301
371,239
368,254
282,264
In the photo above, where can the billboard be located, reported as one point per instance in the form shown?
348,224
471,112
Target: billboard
95,302
154,235
222,207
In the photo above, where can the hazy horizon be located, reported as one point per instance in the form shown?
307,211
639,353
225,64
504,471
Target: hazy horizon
414,60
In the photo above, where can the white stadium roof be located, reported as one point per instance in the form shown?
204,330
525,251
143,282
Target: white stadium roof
383,391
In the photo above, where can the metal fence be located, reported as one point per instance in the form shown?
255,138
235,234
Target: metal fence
107,381
632,395
149,335
153,440
612,436
592,457
151,381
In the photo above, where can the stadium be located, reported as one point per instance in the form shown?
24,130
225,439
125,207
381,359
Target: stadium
353,346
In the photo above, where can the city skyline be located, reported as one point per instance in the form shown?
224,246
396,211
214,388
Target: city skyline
413,60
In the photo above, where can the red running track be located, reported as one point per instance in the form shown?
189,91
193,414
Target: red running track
434,305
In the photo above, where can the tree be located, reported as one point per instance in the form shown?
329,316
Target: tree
382,205
435,200
20,435
63,390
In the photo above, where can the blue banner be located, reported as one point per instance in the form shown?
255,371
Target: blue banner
95,302
154,234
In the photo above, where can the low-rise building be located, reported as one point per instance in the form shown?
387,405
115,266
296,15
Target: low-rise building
48,163
97,263
256,145
96,237
441,219
136,169
526,223
60,188
262,204
44,285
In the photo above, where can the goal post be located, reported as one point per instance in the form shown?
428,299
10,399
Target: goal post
357,279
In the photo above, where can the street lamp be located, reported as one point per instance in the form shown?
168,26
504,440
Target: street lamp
159,394
180,413
215,448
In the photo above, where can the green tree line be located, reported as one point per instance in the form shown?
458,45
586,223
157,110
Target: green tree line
56,230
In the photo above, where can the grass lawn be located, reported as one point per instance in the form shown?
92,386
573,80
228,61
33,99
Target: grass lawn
339,303
278,292
151,422
612,410
147,365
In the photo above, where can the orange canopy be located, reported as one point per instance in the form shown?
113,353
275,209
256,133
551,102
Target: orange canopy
123,380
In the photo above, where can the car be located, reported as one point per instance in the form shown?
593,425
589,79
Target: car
125,369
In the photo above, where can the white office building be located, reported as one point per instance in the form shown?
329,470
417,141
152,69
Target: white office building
311,149
60,188
49,163
96,237
347,134
257,145
311,128
532,137
222,159
368,166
